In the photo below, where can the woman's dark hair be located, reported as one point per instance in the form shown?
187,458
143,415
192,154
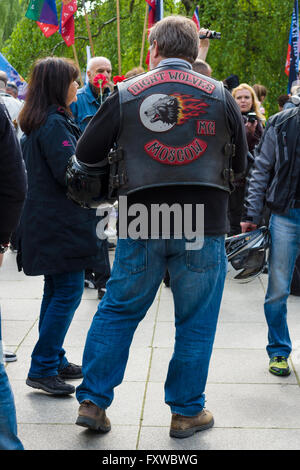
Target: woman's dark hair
49,83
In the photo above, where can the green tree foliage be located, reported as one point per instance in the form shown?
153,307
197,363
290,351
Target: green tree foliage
254,41
253,45
10,13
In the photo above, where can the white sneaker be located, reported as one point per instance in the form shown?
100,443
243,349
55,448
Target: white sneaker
9,356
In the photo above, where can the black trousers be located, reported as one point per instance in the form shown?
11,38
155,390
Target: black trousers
235,209
102,275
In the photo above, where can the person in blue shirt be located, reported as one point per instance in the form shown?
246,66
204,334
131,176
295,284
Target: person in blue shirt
88,99
83,110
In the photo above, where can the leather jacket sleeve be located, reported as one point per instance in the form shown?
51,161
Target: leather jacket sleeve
13,180
259,178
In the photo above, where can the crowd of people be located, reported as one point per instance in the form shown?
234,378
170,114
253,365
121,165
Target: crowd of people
225,155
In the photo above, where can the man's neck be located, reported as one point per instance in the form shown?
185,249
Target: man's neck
173,60
94,90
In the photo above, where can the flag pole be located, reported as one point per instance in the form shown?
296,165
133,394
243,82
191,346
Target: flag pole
77,63
144,35
118,29
88,29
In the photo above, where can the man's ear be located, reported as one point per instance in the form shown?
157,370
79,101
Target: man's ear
155,49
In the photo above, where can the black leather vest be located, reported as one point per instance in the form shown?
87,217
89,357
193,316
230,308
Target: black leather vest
173,131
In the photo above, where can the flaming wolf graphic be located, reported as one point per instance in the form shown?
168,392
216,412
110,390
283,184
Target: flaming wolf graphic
189,107
175,109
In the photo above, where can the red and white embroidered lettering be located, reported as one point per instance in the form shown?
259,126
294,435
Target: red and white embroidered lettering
171,76
175,155
206,127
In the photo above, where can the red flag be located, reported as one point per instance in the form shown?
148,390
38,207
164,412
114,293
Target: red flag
67,23
47,29
196,17
151,14
155,14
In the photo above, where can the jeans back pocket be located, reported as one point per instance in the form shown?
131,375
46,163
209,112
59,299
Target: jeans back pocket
132,255
208,257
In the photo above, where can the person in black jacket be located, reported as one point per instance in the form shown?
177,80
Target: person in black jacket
12,195
275,178
247,101
174,130
57,238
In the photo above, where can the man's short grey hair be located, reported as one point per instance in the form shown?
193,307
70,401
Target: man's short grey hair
295,90
202,67
95,59
3,79
176,36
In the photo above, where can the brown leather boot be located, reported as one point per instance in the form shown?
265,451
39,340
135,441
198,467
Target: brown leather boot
92,417
185,426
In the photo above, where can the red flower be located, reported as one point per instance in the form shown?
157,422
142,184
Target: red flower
118,78
100,80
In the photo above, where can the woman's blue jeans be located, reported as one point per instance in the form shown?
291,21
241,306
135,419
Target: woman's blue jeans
285,247
8,421
197,281
62,295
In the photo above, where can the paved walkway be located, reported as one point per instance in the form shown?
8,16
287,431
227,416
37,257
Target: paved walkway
252,408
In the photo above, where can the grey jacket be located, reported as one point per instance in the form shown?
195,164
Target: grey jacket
276,170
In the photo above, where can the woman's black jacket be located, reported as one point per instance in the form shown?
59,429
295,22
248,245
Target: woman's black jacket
56,235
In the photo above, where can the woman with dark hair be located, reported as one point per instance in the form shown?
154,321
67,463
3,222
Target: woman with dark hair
57,238
261,93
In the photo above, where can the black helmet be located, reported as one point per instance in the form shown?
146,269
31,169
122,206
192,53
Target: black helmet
86,185
247,253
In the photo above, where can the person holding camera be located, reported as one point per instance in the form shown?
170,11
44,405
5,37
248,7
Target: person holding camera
248,103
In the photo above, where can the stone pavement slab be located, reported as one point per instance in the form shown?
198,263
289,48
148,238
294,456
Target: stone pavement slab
253,409
157,438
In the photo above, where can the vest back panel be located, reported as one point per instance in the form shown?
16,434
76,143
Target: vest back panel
173,130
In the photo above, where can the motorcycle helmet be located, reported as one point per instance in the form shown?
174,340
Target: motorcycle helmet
247,253
87,186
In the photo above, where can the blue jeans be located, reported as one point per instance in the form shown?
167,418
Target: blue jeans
62,295
285,246
197,281
8,420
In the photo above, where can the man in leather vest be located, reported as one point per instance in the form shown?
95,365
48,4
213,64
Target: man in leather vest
177,134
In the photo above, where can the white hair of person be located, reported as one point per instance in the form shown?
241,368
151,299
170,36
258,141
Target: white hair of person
93,60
